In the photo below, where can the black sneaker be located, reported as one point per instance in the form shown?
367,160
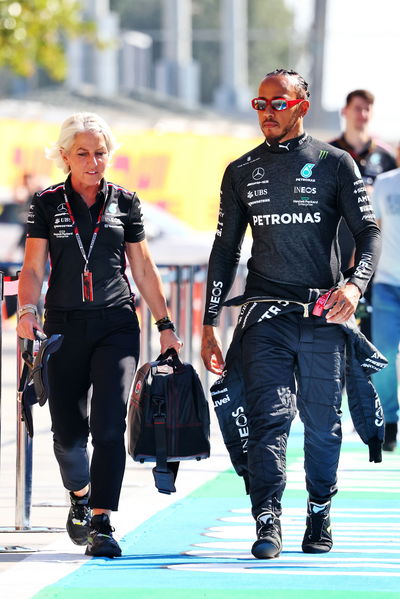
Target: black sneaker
318,537
100,541
269,536
390,441
78,521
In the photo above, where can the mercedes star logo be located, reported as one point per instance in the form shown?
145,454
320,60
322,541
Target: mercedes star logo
258,173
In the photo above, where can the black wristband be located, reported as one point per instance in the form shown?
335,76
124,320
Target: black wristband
166,325
162,320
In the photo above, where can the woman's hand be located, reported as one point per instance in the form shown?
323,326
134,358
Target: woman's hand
27,325
168,339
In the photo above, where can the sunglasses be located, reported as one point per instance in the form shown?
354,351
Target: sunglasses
277,104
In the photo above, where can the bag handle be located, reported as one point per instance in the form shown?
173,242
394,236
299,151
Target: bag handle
171,355
26,350
26,347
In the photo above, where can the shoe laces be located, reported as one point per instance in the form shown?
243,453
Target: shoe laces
268,525
80,511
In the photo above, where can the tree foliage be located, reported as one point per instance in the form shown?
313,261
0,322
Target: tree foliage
33,32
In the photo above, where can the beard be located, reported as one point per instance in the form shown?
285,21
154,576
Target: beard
269,136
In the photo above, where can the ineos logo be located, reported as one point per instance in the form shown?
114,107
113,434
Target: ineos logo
258,173
242,427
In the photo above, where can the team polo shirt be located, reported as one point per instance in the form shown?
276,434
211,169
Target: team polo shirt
292,195
375,158
121,222
372,161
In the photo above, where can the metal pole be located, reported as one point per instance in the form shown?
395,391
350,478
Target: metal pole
204,373
23,489
178,297
233,90
189,315
318,52
177,74
1,344
23,450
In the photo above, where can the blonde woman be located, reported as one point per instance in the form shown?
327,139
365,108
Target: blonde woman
86,226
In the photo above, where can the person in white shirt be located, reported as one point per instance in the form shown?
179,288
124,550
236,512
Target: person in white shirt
386,298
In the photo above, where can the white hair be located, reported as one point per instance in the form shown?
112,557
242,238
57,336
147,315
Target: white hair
79,123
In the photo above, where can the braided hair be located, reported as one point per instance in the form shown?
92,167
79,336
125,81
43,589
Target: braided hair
301,86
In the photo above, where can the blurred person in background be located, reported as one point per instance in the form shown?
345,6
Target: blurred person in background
15,213
386,299
372,157
86,226
23,194
292,190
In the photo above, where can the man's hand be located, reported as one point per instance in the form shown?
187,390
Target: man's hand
211,350
343,303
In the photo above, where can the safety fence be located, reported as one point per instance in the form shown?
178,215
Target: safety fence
185,288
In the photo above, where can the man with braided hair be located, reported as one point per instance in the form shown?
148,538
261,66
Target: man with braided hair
292,190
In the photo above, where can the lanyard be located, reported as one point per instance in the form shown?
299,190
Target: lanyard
76,230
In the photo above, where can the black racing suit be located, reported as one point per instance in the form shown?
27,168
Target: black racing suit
293,196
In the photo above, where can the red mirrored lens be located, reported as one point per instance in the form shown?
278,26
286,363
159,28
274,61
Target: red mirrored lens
259,103
279,104
276,103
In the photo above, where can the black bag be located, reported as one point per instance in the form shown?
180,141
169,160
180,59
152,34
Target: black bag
38,364
33,384
168,418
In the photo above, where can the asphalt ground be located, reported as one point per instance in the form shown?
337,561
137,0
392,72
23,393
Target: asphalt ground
196,543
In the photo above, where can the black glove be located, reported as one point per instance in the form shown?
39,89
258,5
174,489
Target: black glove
375,450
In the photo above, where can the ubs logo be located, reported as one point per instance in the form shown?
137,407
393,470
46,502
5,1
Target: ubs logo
258,173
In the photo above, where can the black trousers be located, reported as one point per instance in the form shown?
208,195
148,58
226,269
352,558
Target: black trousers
288,362
100,352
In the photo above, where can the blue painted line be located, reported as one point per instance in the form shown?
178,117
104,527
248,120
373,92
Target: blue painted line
172,551
159,544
